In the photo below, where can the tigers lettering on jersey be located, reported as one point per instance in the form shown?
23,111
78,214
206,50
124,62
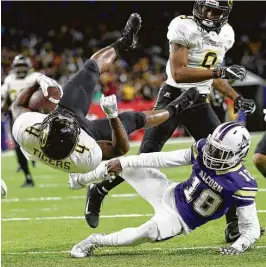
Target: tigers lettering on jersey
26,130
205,49
56,163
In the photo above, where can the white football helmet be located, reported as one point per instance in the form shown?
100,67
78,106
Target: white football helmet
226,146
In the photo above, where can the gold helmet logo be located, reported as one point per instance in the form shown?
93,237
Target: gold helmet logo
43,138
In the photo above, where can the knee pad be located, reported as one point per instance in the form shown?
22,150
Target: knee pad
149,230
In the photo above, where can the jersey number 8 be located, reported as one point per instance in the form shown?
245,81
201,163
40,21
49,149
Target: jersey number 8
207,203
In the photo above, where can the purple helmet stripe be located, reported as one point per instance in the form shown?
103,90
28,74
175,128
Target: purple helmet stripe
227,129
222,128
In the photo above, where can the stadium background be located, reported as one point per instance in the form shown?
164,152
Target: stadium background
60,36
41,224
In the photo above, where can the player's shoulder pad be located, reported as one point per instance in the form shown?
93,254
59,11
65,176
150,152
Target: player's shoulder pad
242,182
228,35
180,29
9,78
197,147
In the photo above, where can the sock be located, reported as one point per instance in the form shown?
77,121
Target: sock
147,232
120,45
106,185
231,215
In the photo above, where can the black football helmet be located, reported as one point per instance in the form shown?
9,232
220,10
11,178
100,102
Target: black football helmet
211,15
21,66
59,134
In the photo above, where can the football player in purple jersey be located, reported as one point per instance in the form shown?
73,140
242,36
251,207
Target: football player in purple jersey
218,181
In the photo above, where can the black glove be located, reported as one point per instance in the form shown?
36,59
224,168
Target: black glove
248,105
234,72
229,251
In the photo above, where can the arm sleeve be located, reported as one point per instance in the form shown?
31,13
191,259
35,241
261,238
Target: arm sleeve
249,227
158,159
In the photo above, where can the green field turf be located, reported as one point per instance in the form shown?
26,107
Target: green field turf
50,221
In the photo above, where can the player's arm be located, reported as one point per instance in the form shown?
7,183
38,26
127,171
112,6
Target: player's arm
248,105
152,160
20,105
249,229
178,64
120,144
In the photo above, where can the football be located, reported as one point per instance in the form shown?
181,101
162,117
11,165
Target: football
38,102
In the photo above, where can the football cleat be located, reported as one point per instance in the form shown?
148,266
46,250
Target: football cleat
84,248
93,204
29,183
185,100
131,30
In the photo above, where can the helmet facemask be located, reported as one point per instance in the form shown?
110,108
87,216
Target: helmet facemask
220,13
218,157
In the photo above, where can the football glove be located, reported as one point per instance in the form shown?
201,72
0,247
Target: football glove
248,105
234,72
46,82
229,251
109,106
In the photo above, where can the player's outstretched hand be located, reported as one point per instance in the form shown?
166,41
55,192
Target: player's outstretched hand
46,82
228,251
109,106
114,167
234,72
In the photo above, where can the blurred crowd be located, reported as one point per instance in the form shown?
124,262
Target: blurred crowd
60,51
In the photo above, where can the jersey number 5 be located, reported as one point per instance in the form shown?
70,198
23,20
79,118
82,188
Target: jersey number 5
207,203
209,60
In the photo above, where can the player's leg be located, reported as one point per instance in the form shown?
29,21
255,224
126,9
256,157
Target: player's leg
78,90
24,166
259,158
153,186
200,120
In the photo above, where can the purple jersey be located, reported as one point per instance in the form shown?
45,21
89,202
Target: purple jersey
208,194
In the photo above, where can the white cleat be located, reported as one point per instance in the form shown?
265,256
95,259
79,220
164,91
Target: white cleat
84,248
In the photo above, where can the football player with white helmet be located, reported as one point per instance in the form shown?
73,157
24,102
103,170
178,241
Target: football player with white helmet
218,181
259,158
198,45
21,76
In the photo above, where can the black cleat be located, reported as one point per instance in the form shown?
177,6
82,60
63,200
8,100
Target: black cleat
29,183
131,30
93,204
185,100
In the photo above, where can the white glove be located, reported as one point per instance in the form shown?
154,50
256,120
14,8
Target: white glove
109,106
46,82
264,111
73,181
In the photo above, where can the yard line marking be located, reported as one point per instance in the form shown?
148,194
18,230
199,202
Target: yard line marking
8,200
75,217
62,198
124,249
82,217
